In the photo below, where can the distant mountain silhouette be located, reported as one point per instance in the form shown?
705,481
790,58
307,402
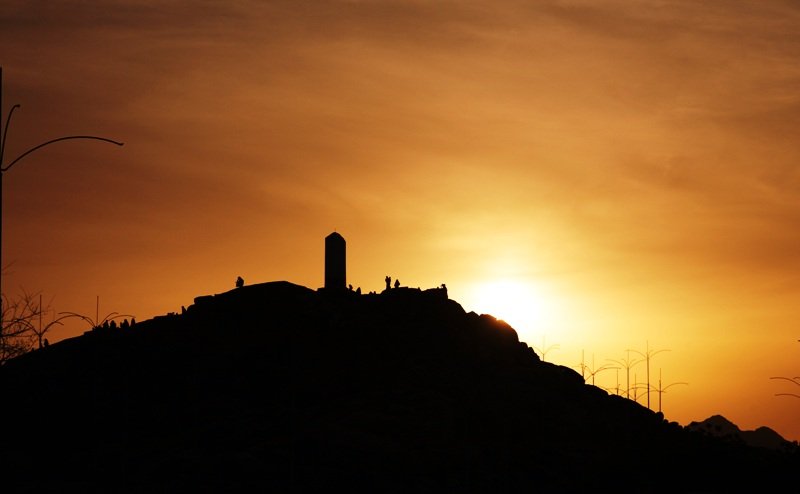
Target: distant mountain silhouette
275,387
762,437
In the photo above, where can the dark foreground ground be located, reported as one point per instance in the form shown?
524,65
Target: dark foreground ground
279,388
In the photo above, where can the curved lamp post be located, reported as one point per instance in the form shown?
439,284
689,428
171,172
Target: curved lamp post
646,356
795,380
661,390
544,349
5,168
627,363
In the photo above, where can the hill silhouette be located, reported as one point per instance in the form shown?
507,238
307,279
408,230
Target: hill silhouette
762,437
276,387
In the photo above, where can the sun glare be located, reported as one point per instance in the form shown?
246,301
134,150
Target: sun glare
521,304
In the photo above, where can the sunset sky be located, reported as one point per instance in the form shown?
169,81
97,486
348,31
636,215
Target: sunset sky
604,175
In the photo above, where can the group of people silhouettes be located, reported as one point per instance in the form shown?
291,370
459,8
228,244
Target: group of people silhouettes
112,324
388,281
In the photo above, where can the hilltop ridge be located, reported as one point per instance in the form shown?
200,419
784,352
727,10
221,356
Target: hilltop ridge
276,386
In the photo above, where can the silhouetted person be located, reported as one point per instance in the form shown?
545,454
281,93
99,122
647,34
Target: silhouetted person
388,282
125,324
358,290
397,283
350,287
113,324
46,343
239,282
133,321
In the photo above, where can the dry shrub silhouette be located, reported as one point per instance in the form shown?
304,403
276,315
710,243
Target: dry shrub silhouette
22,327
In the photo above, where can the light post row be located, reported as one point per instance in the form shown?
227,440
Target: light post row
627,364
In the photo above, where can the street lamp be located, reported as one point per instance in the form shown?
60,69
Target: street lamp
592,370
795,380
661,390
627,363
544,349
5,168
647,356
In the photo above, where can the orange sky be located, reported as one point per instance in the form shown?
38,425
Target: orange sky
630,168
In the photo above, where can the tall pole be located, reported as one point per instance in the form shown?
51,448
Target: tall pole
648,374
40,320
627,363
646,356
628,376
661,390
2,145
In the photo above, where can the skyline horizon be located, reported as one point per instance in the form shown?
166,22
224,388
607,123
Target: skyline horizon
637,397
581,367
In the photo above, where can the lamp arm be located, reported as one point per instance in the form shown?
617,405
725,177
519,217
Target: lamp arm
51,141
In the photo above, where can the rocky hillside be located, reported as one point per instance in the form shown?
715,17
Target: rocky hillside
280,388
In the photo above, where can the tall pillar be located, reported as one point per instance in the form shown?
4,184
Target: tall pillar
335,262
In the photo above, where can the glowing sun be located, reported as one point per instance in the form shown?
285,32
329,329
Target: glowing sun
522,304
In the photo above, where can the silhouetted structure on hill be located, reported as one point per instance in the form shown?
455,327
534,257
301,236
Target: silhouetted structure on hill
335,262
275,387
